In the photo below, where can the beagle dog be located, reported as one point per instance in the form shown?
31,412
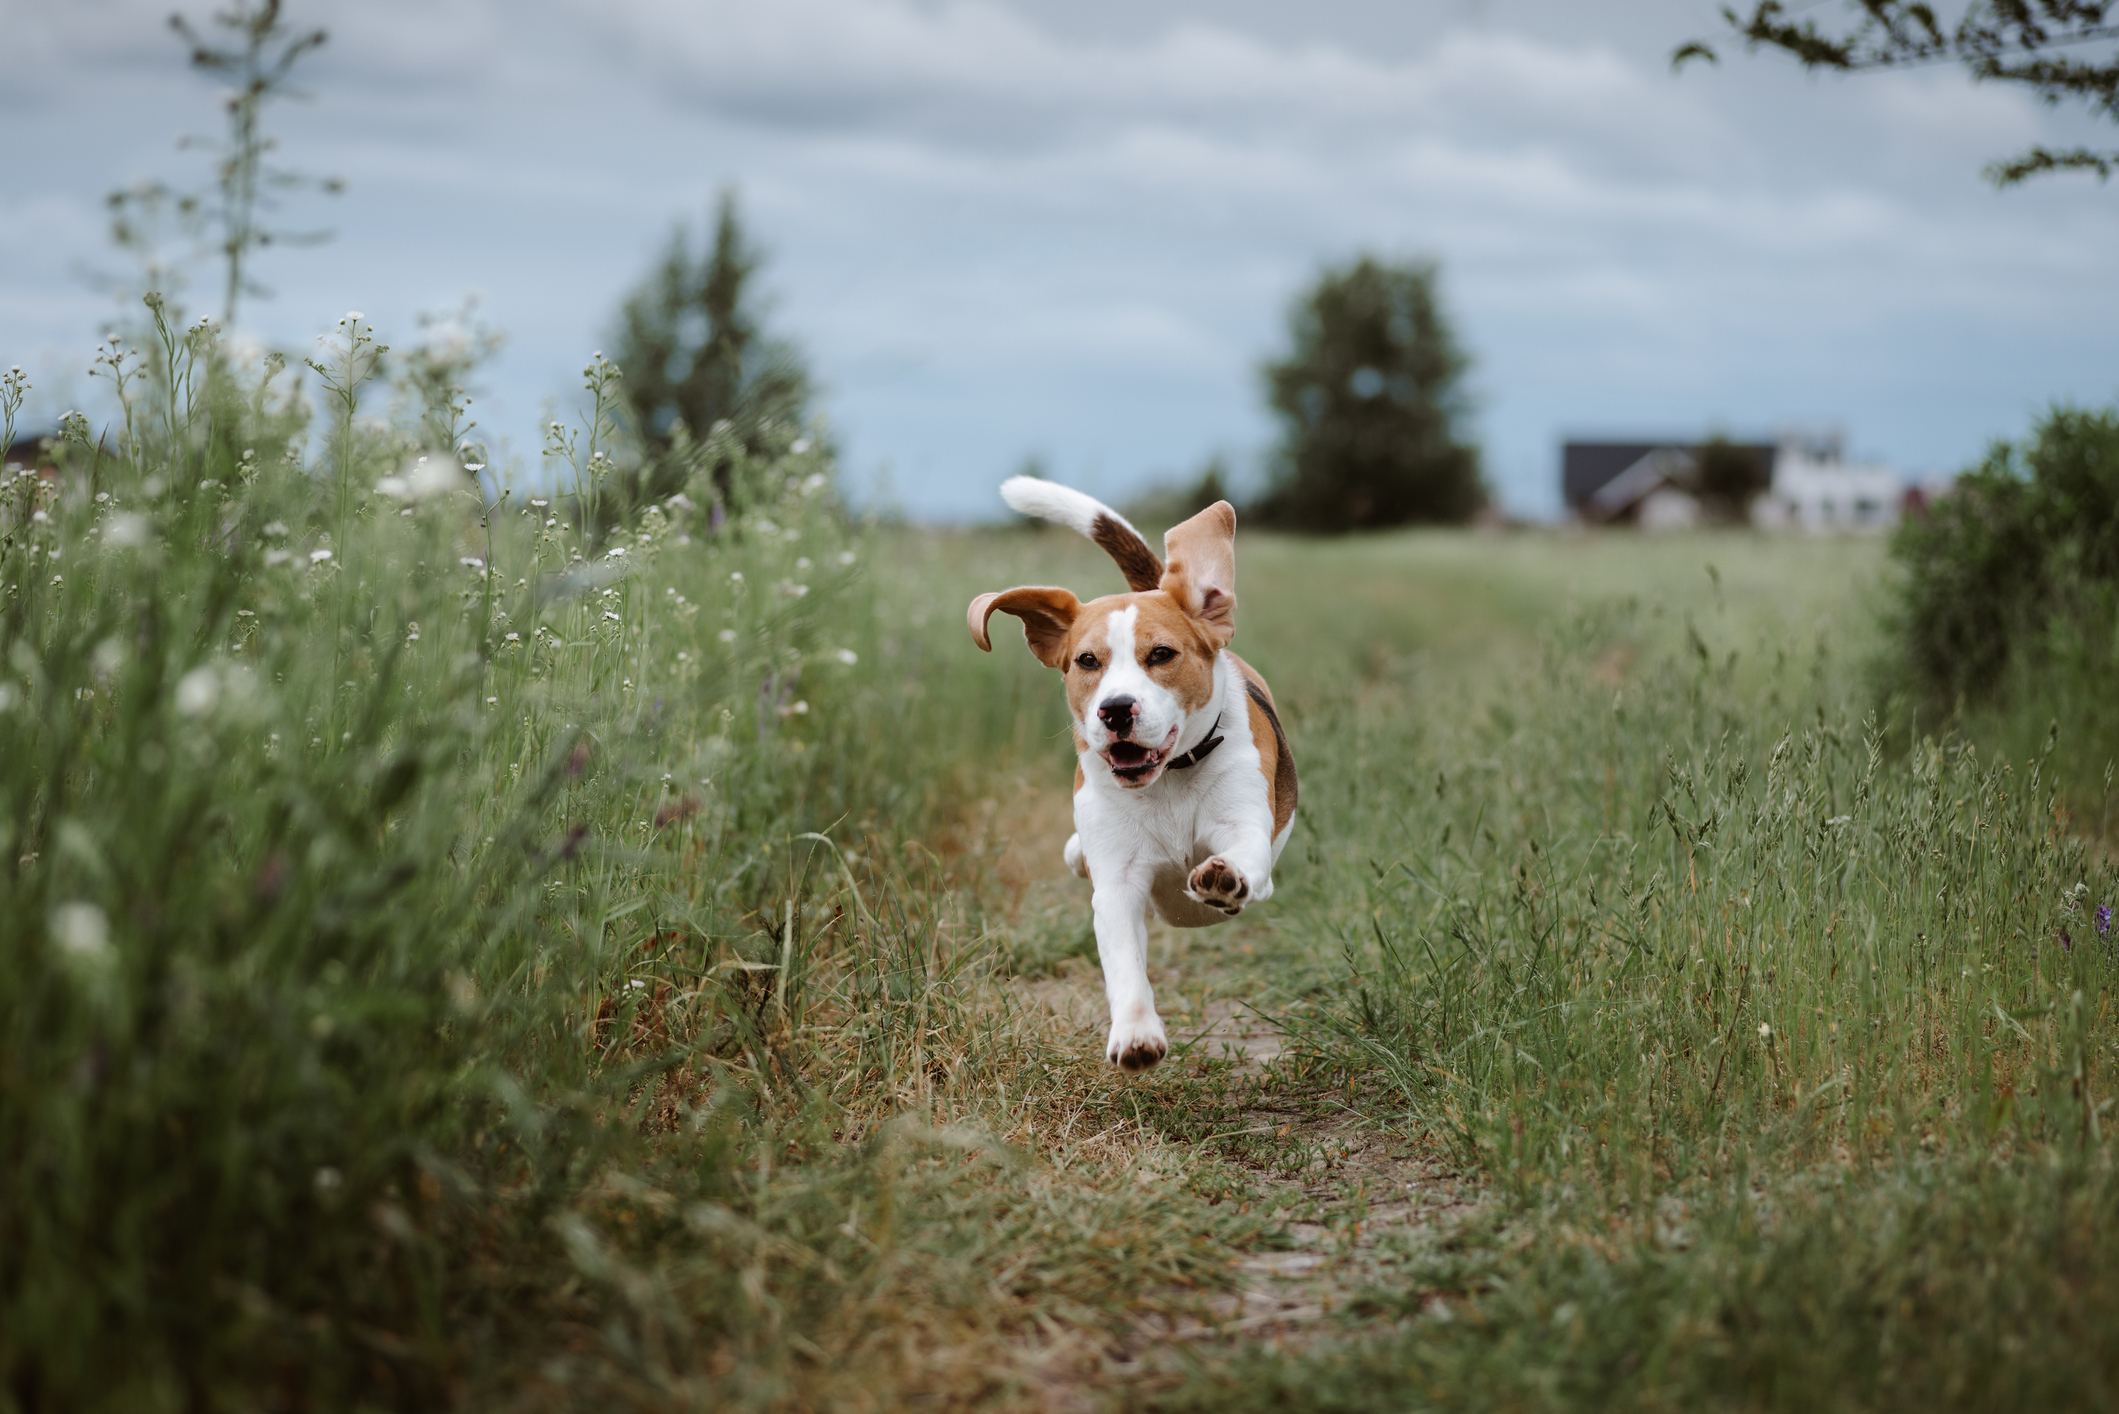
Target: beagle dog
1184,792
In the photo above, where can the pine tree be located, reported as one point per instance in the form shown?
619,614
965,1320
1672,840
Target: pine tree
1372,406
694,351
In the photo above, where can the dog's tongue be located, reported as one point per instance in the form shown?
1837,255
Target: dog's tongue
1128,753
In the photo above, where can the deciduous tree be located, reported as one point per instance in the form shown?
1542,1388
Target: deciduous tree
1372,405
2064,51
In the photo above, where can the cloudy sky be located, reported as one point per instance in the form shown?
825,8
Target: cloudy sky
1071,229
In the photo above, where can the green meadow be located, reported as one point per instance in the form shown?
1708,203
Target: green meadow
465,947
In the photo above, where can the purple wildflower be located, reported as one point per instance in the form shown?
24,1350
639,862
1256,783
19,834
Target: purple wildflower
2104,920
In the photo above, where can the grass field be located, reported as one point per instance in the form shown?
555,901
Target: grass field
449,958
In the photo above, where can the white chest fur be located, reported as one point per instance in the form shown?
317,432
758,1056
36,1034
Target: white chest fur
1147,842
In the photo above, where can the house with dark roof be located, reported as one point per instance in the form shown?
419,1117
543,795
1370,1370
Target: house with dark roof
1653,485
1804,481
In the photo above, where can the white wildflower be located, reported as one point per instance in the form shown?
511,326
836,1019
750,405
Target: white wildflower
197,691
847,656
125,530
81,929
433,475
423,478
727,635
317,557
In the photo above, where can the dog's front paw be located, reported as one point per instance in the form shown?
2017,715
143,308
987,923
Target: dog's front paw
1219,884
1137,1045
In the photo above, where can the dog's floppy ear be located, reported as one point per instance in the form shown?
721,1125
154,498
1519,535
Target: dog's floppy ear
1047,615
1201,573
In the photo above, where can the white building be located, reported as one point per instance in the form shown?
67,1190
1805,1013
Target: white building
1816,488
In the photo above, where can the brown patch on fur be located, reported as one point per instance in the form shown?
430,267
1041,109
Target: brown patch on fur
1274,757
1123,544
1048,615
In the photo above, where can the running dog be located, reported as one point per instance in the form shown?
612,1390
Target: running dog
1184,791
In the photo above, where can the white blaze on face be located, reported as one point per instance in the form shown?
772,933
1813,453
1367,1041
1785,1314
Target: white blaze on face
1157,713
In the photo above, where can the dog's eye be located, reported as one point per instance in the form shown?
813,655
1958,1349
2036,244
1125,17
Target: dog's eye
1087,662
1160,654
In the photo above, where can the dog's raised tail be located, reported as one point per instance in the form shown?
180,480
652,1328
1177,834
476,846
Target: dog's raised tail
1048,500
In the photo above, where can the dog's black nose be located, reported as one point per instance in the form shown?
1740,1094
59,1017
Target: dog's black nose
1117,714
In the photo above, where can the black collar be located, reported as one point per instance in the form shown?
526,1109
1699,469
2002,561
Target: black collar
1198,753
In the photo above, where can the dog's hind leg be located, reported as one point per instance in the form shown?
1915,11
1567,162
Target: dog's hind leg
1076,860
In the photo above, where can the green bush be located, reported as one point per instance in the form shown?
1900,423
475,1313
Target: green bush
2009,606
2030,534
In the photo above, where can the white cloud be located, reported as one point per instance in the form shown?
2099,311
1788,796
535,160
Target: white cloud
993,236
979,75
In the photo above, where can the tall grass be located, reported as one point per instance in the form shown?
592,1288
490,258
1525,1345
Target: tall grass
459,940
1784,1049
464,943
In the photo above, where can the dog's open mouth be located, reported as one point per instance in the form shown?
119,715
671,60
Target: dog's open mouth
1133,763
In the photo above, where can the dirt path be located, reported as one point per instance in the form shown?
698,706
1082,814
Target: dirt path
1357,1201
